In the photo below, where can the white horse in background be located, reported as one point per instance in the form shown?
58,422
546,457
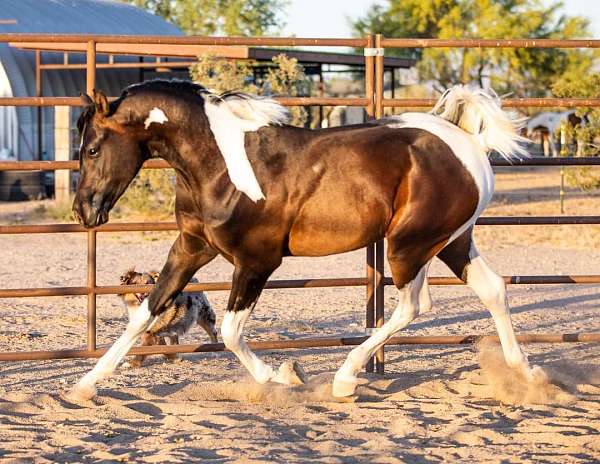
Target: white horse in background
548,124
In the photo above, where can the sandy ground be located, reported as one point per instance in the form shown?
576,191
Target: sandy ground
434,404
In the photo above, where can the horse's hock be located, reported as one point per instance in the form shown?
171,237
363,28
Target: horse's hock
374,279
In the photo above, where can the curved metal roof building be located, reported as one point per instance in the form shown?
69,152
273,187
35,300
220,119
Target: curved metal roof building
17,67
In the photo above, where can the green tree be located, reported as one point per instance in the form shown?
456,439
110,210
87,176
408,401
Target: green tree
227,17
521,71
586,135
285,77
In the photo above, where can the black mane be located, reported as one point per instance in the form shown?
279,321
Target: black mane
169,86
177,86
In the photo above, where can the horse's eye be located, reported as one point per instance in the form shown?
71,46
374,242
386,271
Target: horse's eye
94,152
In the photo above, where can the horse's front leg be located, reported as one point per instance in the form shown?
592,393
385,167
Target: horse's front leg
246,287
187,255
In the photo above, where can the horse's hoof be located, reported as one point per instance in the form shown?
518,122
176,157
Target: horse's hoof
290,373
537,375
343,388
83,392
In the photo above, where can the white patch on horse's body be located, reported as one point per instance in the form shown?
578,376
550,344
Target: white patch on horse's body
230,117
156,115
465,148
472,123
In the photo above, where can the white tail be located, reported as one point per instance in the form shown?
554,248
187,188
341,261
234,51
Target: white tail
480,113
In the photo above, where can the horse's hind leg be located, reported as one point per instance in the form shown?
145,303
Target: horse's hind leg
409,276
464,260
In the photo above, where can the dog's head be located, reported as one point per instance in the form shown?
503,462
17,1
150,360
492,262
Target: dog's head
132,277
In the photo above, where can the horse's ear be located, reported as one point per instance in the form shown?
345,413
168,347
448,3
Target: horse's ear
86,99
101,103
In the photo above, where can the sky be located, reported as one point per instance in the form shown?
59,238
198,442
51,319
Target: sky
328,18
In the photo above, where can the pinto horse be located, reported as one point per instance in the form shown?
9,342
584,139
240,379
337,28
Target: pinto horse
255,190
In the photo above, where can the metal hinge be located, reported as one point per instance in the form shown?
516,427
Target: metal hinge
374,51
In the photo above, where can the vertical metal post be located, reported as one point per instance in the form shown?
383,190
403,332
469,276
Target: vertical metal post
321,94
370,109
379,246
91,235
563,152
38,93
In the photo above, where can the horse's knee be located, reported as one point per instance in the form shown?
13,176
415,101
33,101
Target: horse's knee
488,285
403,316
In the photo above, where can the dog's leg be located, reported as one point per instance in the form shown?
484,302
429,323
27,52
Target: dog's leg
187,255
172,340
147,339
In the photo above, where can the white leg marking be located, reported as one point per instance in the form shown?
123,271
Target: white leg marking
106,365
345,380
490,288
425,295
232,328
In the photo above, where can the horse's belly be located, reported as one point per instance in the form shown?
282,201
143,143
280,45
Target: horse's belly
325,229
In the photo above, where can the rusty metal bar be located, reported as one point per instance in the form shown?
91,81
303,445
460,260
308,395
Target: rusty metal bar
379,245
491,43
38,93
91,290
569,161
134,65
90,78
370,303
286,101
183,40
160,164
172,226
285,283
40,101
370,249
319,342
506,103
338,101
536,220
322,101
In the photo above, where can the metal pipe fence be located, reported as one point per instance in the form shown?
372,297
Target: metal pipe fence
374,280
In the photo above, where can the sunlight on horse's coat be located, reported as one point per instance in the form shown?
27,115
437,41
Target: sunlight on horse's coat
230,117
156,115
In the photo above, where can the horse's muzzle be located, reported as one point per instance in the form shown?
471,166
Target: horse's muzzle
88,215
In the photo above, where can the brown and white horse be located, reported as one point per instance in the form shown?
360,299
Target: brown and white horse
255,190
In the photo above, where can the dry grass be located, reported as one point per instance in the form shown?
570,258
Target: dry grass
535,192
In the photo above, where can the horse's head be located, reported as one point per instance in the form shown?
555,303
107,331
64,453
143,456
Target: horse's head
112,152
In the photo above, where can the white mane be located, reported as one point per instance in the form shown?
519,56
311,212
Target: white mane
230,116
253,109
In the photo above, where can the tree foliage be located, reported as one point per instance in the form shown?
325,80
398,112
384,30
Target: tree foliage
586,135
223,17
285,77
522,71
